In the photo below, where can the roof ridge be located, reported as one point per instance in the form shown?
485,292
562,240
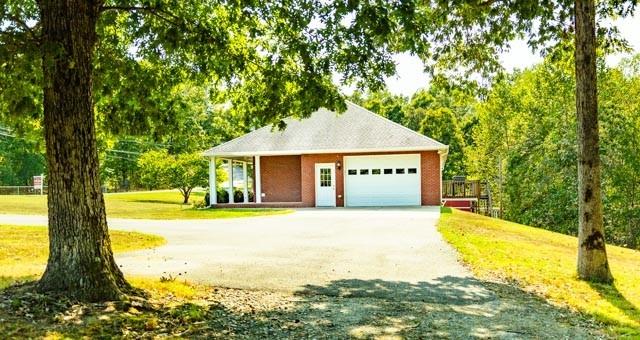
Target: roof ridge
395,123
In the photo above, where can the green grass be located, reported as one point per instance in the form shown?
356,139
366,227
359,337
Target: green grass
544,262
24,250
165,205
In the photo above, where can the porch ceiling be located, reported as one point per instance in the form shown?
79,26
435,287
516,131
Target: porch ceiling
237,158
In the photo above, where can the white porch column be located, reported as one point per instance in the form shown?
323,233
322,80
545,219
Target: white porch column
230,188
256,169
245,181
212,182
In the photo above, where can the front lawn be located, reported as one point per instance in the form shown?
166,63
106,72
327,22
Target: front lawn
161,205
544,262
24,250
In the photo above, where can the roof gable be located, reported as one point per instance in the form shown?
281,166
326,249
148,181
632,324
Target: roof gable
355,130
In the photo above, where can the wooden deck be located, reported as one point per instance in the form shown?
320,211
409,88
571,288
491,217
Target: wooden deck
464,190
470,195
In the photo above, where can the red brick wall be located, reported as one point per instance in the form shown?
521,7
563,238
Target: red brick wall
280,178
430,168
308,168
431,182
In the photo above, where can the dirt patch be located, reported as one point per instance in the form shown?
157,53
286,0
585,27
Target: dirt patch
351,308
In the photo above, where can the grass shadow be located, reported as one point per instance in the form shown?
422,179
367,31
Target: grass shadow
615,298
157,201
449,307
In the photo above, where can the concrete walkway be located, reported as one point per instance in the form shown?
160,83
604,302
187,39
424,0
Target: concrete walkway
287,252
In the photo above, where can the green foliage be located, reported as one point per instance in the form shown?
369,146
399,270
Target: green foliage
153,169
120,165
159,169
444,111
442,125
524,145
186,172
158,62
20,160
383,103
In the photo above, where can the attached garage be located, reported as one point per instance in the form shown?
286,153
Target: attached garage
351,159
382,180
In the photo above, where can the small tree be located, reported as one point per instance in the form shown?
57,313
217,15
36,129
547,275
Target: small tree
186,172
153,167
159,169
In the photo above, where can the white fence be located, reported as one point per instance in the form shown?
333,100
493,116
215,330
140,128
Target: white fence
22,190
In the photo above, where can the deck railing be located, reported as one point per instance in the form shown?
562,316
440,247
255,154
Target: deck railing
464,189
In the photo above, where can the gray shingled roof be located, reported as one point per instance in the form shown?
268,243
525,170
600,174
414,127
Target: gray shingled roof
355,130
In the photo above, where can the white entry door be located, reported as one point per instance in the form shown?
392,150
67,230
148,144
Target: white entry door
325,185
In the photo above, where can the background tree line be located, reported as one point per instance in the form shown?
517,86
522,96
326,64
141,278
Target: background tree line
519,133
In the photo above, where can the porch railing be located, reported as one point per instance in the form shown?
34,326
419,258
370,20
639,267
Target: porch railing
452,189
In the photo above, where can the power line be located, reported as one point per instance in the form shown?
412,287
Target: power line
118,157
124,151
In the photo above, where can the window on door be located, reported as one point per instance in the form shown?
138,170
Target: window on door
325,177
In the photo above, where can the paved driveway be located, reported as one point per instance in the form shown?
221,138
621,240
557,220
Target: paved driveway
310,246
287,252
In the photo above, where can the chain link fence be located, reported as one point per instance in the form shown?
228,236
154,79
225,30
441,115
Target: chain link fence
22,190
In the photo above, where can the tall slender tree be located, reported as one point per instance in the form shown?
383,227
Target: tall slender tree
592,254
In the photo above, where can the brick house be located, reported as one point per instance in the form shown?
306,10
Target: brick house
356,158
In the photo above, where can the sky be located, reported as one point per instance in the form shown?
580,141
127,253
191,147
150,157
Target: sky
410,75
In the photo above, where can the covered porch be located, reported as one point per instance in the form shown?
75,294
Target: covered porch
244,186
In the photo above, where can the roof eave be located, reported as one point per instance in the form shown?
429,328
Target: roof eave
213,153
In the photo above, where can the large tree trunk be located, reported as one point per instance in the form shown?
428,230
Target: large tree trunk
592,254
80,263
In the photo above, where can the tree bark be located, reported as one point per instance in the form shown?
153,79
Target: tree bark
81,263
592,254
186,193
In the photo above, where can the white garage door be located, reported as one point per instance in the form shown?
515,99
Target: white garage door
382,180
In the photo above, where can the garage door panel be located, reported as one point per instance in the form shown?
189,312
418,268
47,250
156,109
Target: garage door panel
364,188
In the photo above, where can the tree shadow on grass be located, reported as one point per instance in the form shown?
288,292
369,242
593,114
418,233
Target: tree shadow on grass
613,296
450,307
158,201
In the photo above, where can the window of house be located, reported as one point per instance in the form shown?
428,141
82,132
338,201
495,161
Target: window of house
352,172
399,171
388,171
412,170
375,171
364,171
325,177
